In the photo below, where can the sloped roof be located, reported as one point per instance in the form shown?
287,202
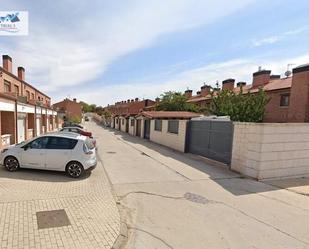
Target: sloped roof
169,114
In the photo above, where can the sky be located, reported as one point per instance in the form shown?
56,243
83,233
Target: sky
104,51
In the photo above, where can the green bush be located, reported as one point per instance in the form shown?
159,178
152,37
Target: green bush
175,101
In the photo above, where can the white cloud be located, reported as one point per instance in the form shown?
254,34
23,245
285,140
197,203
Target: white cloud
71,47
277,38
239,69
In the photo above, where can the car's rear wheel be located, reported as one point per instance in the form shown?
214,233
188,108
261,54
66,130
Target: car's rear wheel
11,164
74,169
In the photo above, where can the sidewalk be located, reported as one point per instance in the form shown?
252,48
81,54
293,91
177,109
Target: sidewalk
88,203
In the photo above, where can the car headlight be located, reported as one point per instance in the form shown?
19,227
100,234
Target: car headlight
4,150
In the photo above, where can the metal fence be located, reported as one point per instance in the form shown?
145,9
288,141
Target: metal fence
211,139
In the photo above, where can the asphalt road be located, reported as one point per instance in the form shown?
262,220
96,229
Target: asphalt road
171,200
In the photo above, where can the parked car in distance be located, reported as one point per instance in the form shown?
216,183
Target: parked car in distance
70,124
77,130
81,132
68,152
86,119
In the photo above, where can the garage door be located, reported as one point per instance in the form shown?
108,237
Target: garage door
21,130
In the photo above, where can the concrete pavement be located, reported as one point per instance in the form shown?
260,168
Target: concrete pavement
88,203
173,201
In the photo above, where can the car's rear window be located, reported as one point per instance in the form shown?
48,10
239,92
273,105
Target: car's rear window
89,144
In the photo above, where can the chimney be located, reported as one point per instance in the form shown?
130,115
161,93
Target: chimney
298,101
7,63
74,99
228,84
275,76
132,100
21,73
188,93
157,99
260,78
241,83
128,101
136,99
205,90
198,92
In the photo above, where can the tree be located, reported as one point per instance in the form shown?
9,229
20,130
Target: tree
88,108
175,101
241,107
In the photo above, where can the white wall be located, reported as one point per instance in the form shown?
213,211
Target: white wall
123,124
271,150
132,128
174,141
117,123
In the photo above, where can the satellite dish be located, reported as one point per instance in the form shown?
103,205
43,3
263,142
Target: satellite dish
288,73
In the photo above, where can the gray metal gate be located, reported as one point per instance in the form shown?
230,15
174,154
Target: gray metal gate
210,138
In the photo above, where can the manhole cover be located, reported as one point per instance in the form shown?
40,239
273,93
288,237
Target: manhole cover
111,152
195,198
53,218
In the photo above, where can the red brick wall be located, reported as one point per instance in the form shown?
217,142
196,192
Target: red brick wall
71,108
8,124
275,112
298,110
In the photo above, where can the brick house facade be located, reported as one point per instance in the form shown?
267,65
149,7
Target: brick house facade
25,111
69,109
289,97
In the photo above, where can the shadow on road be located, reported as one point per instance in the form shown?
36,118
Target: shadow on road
40,175
230,181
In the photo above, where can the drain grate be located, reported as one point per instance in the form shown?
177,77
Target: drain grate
111,152
53,218
195,198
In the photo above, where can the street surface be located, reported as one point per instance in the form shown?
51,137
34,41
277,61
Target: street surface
88,202
172,200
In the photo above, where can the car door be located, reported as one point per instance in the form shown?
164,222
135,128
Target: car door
33,154
58,152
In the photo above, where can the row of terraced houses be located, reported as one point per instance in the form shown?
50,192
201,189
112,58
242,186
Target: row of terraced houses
276,148
289,97
25,112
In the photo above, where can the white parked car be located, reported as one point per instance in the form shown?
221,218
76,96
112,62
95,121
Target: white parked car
67,152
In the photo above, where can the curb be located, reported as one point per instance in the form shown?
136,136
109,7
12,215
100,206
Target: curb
122,237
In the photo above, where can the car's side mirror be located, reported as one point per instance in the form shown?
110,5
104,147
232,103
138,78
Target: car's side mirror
26,147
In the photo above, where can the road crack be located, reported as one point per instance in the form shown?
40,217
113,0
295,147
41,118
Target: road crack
150,234
120,198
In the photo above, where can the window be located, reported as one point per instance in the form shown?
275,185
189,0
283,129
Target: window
16,89
285,99
158,125
61,143
173,126
132,122
122,121
7,86
117,121
39,143
32,95
28,95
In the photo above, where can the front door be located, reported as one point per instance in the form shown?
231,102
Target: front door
147,129
127,125
138,128
34,153
21,130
